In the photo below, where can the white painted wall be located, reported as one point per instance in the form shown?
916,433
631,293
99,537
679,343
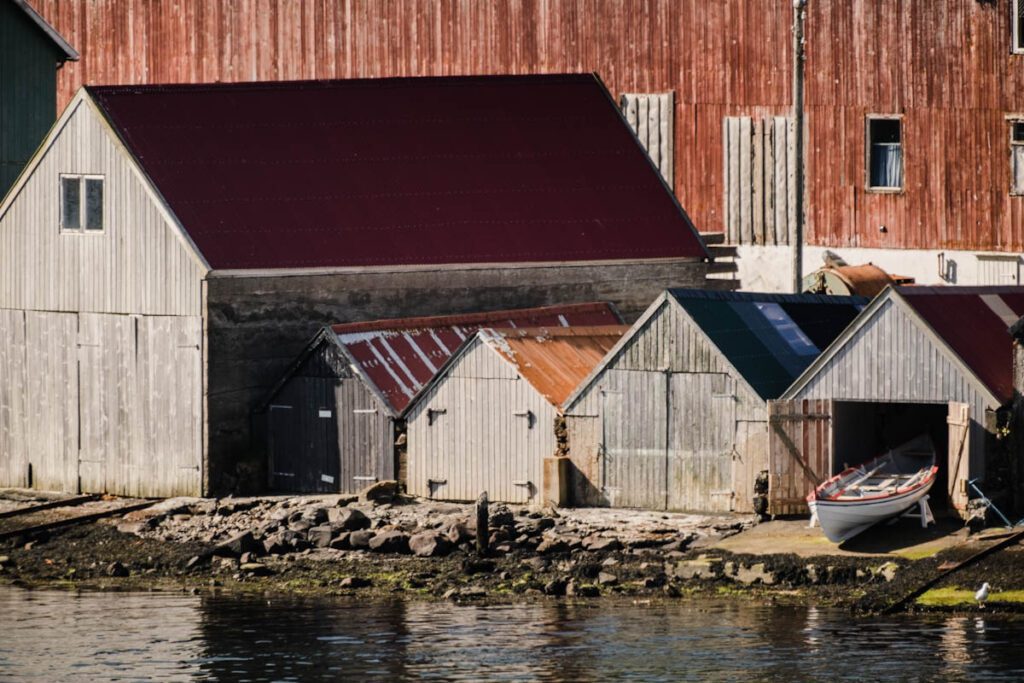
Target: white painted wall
770,268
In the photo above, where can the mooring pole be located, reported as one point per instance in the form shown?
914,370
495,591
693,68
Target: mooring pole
483,533
798,144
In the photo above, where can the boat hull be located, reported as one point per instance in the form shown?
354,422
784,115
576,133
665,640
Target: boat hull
841,520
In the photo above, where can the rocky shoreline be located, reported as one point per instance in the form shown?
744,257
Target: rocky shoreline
384,544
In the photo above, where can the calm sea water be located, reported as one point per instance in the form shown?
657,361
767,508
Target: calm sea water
63,636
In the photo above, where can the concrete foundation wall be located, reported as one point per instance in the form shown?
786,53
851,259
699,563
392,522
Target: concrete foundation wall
770,269
257,325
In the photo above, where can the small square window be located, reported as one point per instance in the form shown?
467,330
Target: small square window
885,154
81,203
1017,157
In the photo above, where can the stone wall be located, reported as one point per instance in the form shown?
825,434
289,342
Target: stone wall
257,325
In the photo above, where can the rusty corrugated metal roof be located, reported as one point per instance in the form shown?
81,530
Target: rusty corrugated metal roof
399,356
555,360
974,322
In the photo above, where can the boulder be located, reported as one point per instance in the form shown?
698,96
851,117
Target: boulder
277,544
315,515
244,542
360,539
390,542
581,590
256,569
354,582
348,519
606,579
555,587
341,541
301,526
117,569
552,545
379,492
598,544
501,516
429,544
320,536
456,533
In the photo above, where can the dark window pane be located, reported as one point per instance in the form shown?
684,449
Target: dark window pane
70,212
1018,131
93,203
885,130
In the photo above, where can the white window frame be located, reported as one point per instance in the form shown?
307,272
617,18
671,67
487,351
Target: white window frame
884,189
1016,37
1015,192
81,230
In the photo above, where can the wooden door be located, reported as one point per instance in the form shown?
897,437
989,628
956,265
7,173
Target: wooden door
303,438
958,461
701,419
106,355
799,452
634,451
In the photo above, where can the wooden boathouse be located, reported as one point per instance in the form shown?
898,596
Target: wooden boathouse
170,249
332,421
675,416
488,419
918,360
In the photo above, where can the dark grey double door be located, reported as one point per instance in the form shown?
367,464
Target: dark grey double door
328,435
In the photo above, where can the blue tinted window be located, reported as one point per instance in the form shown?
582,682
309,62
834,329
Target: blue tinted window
799,342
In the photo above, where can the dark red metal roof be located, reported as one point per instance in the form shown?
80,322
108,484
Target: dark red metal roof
400,356
403,171
974,322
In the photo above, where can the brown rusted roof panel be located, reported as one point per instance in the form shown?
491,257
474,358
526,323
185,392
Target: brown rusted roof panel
556,360
399,356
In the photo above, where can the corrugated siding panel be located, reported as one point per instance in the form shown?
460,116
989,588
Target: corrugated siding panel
479,443
28,91
702,51
136,265
892,360
716,434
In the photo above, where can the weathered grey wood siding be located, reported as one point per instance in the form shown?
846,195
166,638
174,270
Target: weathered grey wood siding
101,372
479,443
759,179
98,402
667,425
891,359
652,118
365,437
138,264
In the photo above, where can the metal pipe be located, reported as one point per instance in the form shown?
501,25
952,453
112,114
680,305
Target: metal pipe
798,124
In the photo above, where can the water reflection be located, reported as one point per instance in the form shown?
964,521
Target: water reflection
49,636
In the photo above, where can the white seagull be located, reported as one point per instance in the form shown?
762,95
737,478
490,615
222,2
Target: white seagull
982,595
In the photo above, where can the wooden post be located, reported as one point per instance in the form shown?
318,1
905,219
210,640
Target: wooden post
483,533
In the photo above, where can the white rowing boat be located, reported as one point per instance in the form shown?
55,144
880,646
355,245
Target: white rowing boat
888,486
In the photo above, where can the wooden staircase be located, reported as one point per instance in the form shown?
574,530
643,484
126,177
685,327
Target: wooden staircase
722,270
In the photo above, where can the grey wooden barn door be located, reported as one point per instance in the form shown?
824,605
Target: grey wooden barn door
634,464
701,422
106,353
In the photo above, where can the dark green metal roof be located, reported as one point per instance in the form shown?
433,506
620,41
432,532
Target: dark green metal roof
769,338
